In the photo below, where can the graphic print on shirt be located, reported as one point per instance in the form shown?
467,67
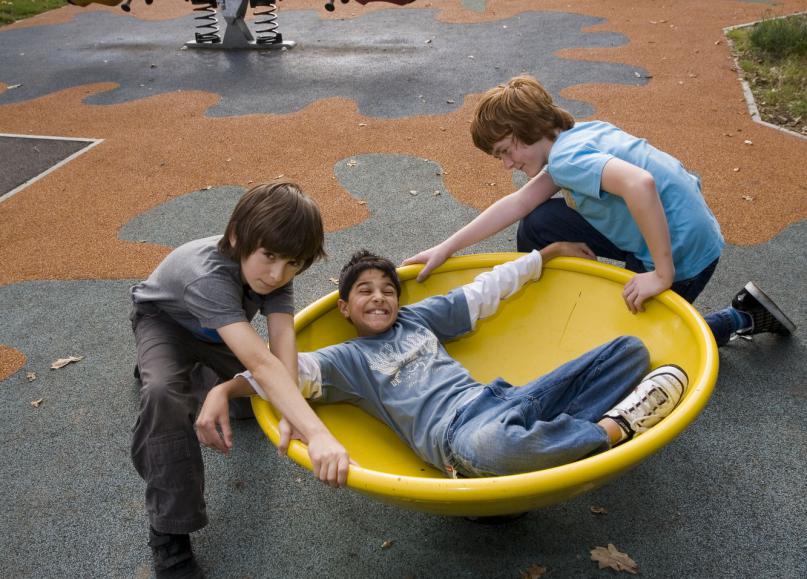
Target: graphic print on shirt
414,356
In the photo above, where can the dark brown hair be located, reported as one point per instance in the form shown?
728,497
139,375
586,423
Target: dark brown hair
361,261
522,108
279,218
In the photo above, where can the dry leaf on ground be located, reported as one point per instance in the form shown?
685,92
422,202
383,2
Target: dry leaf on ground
533,572
62,362
333,280
614,559
31,376
387,544
36,403
599,510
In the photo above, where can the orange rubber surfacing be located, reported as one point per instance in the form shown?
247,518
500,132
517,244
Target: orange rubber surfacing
575,306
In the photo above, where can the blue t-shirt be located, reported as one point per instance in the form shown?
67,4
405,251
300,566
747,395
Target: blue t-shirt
404,377
576,162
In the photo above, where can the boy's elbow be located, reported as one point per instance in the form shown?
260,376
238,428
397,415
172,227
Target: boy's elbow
645,183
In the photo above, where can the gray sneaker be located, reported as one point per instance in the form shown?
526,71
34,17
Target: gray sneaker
653,399
765,315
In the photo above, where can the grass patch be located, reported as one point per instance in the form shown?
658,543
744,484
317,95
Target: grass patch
773,57
13,10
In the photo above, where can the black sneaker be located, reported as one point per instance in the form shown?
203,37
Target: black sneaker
173,557
766,315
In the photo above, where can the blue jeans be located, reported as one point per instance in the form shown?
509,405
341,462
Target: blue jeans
547,422
555,221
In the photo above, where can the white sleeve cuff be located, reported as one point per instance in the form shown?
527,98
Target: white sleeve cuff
489,288
309,378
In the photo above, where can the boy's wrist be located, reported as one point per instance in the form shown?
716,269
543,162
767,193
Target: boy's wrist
234,388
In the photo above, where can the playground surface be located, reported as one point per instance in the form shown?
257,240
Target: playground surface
117,144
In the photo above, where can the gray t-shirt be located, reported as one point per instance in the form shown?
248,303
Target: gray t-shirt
404,377
202,290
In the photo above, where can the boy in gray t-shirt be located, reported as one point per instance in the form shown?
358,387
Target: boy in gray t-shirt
196,308
398,371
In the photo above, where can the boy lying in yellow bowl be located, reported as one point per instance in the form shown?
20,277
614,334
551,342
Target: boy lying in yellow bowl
398,371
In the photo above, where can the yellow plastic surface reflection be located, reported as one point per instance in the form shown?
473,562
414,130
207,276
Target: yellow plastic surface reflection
575,306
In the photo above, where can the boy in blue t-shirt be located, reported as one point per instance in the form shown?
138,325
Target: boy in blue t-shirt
196,308
398,370
623,198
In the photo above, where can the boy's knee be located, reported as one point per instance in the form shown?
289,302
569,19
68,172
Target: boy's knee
634,347
163,394
533,229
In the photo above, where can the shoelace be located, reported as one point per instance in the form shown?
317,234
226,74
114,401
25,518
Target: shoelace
646,406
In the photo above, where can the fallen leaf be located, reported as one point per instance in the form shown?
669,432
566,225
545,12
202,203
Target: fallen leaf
413,192
717,42
450,101
62,362
352,163
614,559
13,86
280,176
36,403
747,142
362,124
31,376
362,202
208,188
387,544
599,510
437,192
748,198
533,572
736,169
333,280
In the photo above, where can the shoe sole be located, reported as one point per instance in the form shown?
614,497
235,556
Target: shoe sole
772,308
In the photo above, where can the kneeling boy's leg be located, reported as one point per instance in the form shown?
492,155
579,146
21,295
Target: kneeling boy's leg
553,221
165,450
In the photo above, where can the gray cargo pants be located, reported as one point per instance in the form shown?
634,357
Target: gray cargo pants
165,450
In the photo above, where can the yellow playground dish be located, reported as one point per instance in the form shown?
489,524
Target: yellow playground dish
575,306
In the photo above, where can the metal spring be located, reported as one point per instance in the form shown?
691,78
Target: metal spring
267,18
208,22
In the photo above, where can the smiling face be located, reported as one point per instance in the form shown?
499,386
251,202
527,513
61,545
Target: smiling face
265,272
516,155
372,304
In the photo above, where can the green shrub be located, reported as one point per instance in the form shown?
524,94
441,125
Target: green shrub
781,37
12,10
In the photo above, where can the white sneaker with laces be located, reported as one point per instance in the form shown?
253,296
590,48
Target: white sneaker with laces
653,399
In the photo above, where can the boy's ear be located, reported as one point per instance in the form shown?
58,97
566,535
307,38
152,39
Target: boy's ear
343,309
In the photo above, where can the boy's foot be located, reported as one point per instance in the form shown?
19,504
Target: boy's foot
765,315
173,557
653,399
